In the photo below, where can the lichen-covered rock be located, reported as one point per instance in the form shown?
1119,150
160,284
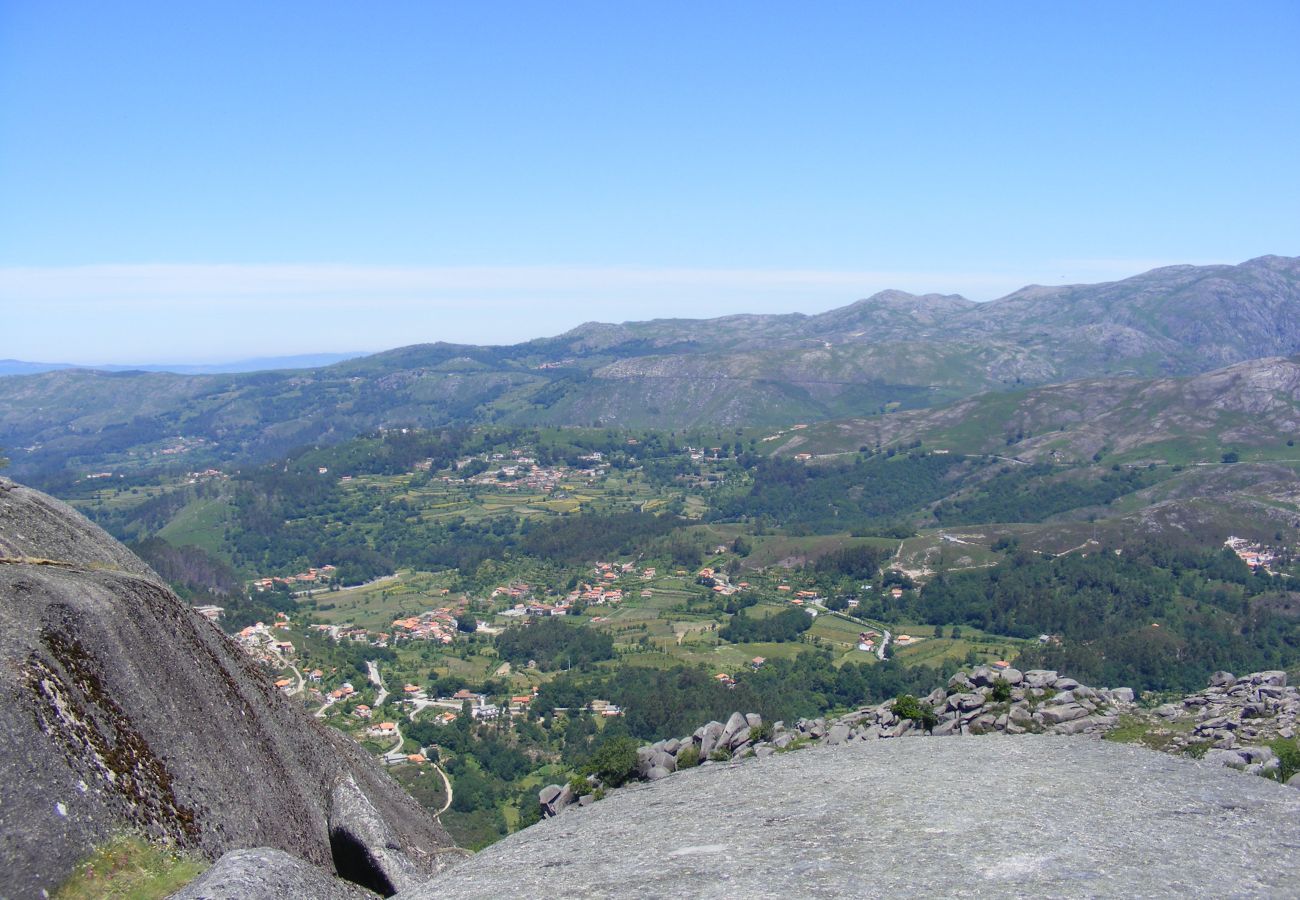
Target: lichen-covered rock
121,707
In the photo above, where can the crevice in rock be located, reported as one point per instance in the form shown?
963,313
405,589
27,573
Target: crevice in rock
353,862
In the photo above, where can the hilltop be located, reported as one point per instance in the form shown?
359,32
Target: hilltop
893,350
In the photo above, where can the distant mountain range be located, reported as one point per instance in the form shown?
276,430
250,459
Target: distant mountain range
257,364
893,351
1252,405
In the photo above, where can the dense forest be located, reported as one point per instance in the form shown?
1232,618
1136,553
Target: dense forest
857,496
784,626
1037,492
554,644
1148,616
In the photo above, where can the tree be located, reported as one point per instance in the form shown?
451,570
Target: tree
614,762
466,622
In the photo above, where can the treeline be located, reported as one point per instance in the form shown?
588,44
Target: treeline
787,625
554,644
578,539
860,562
1037,492
1150,617
671,702
188,569
858,496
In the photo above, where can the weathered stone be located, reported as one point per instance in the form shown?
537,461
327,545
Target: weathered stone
1275,677
966,702
961,683
656,772
124,709
1065,684
947,727
1040,678
1222,679
1054,715
903,727
837,735
1230,758
264,873
736,724
1217,722
1092,819
1120,695
983,676
1013,677
764,751
753,720
709,737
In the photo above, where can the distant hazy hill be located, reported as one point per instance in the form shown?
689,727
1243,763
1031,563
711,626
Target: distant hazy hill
892,350
257,364
1252,405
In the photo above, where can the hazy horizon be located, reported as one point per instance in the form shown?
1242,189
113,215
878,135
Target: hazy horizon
225,181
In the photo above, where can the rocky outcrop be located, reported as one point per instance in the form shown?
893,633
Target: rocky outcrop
994,816
262,873
1237,718
983,701
120,707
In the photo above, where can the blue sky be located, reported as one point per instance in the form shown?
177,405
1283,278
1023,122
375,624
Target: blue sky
204,181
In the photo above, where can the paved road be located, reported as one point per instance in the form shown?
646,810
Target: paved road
372,668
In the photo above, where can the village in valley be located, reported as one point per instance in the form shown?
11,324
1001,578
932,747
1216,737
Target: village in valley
423,663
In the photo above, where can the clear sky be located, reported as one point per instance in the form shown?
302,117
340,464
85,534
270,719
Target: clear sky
202,181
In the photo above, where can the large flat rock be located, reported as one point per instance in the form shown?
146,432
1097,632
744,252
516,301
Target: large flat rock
987,816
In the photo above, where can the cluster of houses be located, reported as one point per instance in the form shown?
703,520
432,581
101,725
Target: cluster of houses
719,582
261,641
205,475
1255,555
433,625
351,633
312,576
518,470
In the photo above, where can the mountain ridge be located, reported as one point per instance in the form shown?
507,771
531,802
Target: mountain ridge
892,350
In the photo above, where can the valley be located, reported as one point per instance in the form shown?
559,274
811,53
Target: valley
531,596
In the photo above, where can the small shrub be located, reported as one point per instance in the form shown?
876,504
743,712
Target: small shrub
688,758
1288,755
907,706
1001,691
720,755
761,733
1197,750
